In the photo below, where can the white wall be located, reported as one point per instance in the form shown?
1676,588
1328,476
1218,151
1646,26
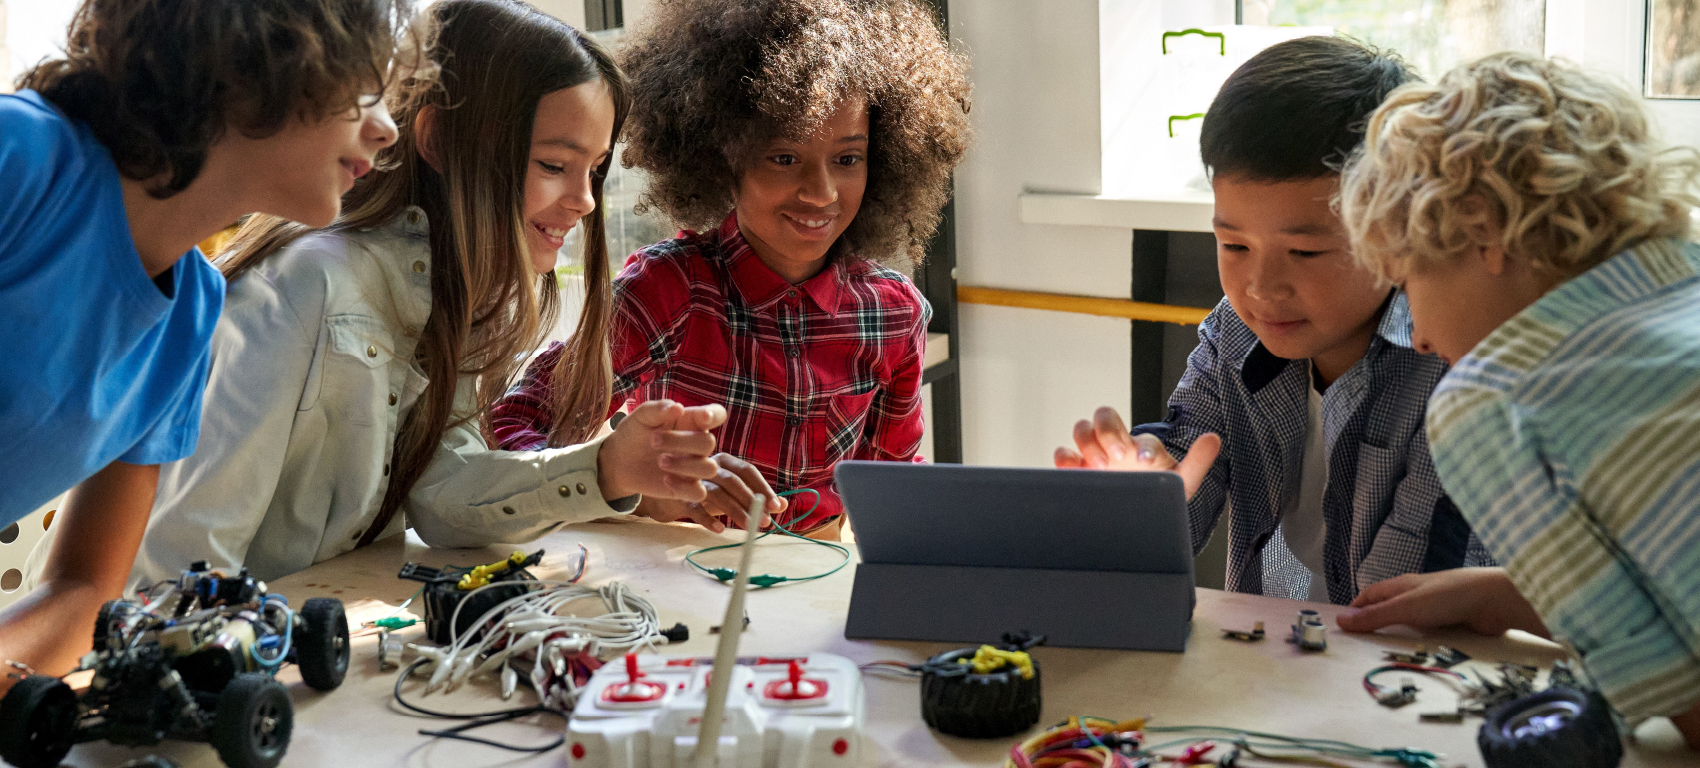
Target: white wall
1027,375
1610,36
33,30
569,11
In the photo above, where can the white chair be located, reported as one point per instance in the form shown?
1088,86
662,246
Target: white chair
16,542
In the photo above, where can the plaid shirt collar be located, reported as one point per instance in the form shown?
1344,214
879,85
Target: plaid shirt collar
1260,366
761,287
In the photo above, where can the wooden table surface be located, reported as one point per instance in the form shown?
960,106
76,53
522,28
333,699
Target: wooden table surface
1266,686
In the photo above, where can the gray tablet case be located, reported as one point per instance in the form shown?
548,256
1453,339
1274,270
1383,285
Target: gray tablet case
964,554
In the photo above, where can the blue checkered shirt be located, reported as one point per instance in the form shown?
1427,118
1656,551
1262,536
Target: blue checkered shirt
1385,510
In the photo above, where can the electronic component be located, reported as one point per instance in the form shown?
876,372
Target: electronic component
1419,656
778,712
1308,633
1455,716
1253,636
983,692
1447,658
191,659
715,630
1407,690
1396,698
760,713
446,588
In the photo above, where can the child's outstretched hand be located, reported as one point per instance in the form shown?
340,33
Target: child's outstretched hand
661,449
1104,443
1483,599
729,496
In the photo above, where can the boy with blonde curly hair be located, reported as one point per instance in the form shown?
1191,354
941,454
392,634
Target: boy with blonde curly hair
1542,235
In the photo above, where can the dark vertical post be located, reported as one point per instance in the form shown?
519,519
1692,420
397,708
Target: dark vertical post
603,14
937,281
1150,283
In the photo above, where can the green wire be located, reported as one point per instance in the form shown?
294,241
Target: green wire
1411,758
765,580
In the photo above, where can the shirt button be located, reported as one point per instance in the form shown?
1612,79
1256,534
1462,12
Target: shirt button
413,217
371,351
581,490
566,492
509,511
794,351
793,420
419,267
392,398
791,294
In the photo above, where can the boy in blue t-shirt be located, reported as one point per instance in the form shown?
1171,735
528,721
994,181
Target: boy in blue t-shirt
114,162
1300,413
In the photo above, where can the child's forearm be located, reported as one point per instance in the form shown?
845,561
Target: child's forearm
100,527
49,628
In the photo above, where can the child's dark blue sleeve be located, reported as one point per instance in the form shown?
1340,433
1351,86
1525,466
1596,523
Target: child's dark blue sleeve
1197,407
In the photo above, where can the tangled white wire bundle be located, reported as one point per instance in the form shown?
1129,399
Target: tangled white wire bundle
533,627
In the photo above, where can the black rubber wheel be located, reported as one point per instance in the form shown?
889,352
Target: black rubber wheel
321,643
38,722
254,720
103,621
979,706
1556,728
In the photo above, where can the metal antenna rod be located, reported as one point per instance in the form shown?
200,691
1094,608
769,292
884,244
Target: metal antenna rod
707,754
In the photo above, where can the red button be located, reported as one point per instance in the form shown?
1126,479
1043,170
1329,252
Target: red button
795,687
839,747
578,750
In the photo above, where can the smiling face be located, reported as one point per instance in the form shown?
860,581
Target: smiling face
309,164
796,198
1287,270
570,138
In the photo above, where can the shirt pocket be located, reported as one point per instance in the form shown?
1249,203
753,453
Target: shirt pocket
356,369
1378,474
845,416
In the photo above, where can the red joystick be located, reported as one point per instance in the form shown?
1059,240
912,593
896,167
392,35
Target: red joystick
794,687
635,691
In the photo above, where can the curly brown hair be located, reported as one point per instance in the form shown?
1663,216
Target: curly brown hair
158,81
712,79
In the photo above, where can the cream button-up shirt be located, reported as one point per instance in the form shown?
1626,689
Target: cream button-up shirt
312,375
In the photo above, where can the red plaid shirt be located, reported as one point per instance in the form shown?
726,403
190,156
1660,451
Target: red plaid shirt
810,374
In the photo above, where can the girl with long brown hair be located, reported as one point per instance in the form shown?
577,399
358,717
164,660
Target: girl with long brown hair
354,365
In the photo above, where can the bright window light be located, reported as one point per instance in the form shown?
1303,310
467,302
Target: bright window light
1432,35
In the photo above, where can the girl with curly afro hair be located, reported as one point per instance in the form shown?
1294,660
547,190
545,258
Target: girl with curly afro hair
801,144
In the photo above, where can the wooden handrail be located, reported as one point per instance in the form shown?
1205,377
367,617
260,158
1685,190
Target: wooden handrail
1086,305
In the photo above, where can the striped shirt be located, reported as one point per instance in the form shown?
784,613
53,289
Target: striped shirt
1570,438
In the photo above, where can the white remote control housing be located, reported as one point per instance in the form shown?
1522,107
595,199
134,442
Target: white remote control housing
651,721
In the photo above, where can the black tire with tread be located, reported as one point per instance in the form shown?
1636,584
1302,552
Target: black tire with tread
241,732
1587,740
38,722
103,624
321,643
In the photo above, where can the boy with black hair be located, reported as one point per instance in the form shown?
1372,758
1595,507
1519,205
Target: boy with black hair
1301,409
163,123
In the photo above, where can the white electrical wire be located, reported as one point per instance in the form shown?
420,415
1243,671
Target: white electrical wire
533,627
